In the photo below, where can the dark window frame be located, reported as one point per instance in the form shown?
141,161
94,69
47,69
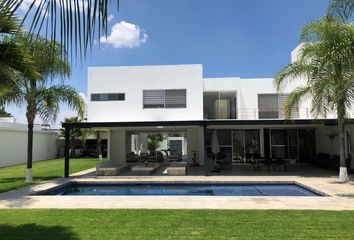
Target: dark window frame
107,97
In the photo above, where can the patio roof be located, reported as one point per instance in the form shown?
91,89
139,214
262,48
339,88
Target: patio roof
206,123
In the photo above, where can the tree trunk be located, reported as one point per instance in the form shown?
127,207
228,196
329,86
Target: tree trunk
99,145
29,177
343,174
31,115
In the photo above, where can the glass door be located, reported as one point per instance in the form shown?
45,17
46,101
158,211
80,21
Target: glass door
246,144
238,146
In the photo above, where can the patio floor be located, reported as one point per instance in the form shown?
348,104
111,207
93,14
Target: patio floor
340,196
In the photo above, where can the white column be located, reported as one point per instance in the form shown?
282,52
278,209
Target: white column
118,146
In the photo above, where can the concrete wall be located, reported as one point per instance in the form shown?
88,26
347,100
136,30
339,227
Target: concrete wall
13,145
133,80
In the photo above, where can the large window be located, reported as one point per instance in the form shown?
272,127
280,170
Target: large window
170,98
99,97
273,106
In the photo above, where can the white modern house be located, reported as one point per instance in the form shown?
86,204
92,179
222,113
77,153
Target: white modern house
176,103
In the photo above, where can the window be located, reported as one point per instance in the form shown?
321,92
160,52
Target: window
172,98
99,97
154,98
220,105
267,106
273,106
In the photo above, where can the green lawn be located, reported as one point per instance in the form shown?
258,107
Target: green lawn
13,177
174,224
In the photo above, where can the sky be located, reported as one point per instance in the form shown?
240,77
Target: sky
231,38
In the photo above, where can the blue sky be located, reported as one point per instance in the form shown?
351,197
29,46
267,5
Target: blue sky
244,38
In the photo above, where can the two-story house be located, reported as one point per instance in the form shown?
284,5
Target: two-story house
134,104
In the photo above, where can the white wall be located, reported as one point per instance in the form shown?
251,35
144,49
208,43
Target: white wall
118,146
13,146
323,143
133,80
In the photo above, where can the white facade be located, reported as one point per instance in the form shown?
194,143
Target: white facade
13,144
132,81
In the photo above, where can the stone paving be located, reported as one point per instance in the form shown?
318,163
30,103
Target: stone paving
339,196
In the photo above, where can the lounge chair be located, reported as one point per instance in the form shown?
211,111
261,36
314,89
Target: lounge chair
110,168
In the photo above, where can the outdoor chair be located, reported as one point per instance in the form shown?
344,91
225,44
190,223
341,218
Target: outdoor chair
280,164
268,164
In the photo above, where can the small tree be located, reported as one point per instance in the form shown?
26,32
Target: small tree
154,142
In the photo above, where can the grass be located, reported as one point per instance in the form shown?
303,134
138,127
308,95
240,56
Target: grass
174,224
13,177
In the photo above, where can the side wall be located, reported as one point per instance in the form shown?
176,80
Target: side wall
13,146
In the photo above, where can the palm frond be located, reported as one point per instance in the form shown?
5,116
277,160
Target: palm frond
295,98
46,55
290,73
15,58
73,23
341,9
49,99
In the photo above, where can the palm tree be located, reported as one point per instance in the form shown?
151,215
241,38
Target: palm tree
73,23
41,97
326,62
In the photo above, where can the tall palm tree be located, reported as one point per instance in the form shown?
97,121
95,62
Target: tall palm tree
73,23
41,97
326,61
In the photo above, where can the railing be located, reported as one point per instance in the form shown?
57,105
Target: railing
254,114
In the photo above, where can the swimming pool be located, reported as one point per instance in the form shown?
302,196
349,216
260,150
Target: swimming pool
179,189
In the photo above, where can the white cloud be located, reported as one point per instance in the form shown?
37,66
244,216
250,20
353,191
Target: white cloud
110,17
125,35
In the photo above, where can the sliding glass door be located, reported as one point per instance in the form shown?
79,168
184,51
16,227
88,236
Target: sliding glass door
246,143
284,143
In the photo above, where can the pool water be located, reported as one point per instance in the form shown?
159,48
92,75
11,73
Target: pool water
86,189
